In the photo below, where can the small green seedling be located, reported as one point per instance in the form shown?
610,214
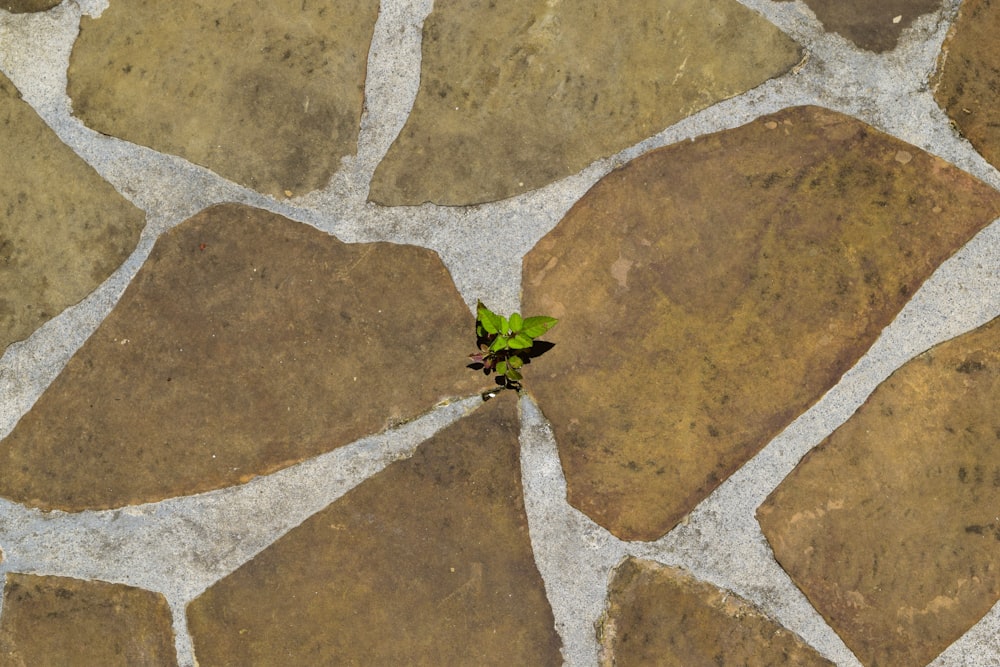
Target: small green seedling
505,344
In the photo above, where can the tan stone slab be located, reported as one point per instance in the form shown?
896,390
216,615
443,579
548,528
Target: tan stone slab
967,83
247,342
63,229
660,615
874,26
61,621
267,94
518,94
26,6
427,563
711,291
890,525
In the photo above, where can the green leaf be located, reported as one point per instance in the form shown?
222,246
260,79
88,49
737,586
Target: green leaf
490,320
499,344
535,326
515,362
513,375
516,322
504,326
502,368
520,342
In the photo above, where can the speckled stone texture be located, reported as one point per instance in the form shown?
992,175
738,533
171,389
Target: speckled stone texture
265,94
711,291
247,342
660,615
427,563
873,26
967,83
517,94
890,526
61,621
63,229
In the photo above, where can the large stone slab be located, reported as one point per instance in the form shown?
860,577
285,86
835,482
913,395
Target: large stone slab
517,94
711,291
967,82
247,342
266,94
660,615
873,26
61,621
890,525
63,229
427,563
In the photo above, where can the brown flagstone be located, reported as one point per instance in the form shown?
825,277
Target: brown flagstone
26,6
63,229
660,615
247,342
711,291
266,94
426,563
967,83
874,26
62,621
518,94
891,525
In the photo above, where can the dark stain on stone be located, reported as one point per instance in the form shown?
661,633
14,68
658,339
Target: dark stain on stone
873,26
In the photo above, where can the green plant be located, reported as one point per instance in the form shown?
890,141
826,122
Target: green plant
506,344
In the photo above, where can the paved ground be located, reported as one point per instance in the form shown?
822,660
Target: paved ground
241,251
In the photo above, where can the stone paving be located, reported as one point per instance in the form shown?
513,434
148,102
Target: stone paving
240,252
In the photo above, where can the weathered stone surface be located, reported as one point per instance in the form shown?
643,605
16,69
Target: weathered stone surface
968,78
247,342
62,621
518,94
427,563
266,94
63,229
711,291
25,6
874,26
660,615
890,525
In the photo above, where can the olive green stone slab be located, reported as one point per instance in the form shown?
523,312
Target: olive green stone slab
61,621
247,342
268,95
63,229
967,83
26,6
426,563
711,291
660,615
518,94
874,26
890,525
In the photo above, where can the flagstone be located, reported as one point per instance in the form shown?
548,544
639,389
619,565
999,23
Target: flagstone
268,95
890,526
63,230
968,77
516,95
50,620
711,291
661,615
874,26
246,342
433,552
26,6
